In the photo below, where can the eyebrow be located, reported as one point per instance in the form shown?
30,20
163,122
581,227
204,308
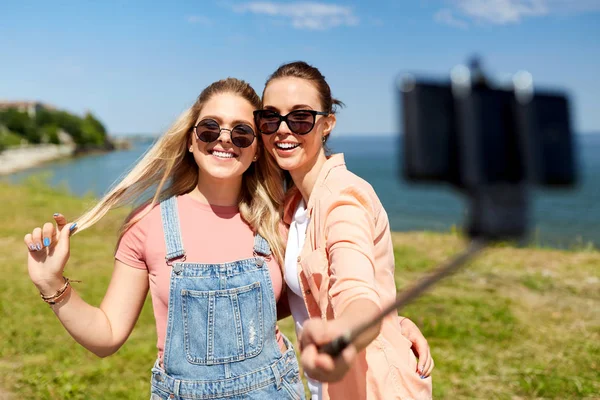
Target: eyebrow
296,107
233,123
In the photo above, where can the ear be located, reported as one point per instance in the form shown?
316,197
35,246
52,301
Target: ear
257,154
330,121
190,141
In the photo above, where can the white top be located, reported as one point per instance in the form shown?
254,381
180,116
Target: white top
295,243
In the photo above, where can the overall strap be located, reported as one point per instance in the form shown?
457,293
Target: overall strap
261,246
171,229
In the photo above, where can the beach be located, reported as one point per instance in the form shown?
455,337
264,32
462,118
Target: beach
21,158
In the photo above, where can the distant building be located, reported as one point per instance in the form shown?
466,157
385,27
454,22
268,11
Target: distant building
30,107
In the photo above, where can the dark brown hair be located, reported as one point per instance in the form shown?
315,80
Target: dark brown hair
302,70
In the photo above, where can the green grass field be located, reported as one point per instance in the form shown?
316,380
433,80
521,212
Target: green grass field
516,324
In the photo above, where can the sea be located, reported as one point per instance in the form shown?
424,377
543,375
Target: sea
564,218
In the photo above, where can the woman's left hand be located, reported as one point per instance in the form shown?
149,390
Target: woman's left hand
419,346
321,366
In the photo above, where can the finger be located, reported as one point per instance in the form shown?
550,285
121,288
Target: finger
36,236
421,350
47,234
332,370
325,363
349,354
423,357
424,363
28,239
60,220
330,365
307,358
64,237
315,331
428,368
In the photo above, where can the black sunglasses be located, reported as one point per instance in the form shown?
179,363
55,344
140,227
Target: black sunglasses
300,122
209,130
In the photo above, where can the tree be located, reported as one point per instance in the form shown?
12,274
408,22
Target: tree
20,123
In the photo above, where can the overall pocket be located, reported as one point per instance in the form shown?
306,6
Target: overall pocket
222,326
159,394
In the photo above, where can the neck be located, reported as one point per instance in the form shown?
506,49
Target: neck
218,192
306,176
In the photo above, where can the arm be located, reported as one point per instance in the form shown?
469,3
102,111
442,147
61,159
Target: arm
104,329
350,232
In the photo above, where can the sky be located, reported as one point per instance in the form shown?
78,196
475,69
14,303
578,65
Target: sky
137,65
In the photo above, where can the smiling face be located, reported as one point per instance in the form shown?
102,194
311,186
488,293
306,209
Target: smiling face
221,159
295,152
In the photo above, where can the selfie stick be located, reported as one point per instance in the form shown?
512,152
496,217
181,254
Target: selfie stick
335,347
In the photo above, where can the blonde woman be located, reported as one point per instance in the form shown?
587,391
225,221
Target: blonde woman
208,248
339,261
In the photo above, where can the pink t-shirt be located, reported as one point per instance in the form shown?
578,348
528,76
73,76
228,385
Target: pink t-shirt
210,234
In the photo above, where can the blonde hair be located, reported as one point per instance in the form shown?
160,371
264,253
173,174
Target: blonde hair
169,169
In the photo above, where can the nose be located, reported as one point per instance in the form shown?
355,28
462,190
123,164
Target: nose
225,138
284,128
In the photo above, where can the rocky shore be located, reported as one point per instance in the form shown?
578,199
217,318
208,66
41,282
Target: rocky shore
27,156
20,158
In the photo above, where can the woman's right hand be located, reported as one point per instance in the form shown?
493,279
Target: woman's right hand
49,250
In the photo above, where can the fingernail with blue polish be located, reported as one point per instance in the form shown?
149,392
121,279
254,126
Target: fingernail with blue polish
56,214
38,246
423,377
32,247
46,242
73,226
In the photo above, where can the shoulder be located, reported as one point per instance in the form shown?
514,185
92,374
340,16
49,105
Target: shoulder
341,182
142,220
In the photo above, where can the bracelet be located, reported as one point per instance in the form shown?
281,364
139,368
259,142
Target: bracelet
60,294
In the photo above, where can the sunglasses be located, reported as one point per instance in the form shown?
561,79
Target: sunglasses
209,130
300,122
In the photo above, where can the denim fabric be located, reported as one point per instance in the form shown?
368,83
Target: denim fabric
170,220
279,380
220,340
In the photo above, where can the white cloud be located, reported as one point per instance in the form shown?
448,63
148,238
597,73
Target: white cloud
199,19
304,15
502,12
445,16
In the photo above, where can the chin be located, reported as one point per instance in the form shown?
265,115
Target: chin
223,173
286,163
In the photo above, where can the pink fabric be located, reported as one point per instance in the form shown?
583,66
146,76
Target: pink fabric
210,234
348,254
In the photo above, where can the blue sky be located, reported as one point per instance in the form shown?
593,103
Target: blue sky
137,65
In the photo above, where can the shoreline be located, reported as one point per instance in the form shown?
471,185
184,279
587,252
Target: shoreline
25,157
28,156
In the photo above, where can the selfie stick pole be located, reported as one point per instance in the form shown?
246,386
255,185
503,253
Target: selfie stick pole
335,347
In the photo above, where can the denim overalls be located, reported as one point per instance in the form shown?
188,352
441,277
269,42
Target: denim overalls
220,340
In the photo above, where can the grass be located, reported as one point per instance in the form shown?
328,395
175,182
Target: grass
517,323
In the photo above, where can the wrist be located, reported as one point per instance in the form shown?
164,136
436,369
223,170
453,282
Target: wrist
50,286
